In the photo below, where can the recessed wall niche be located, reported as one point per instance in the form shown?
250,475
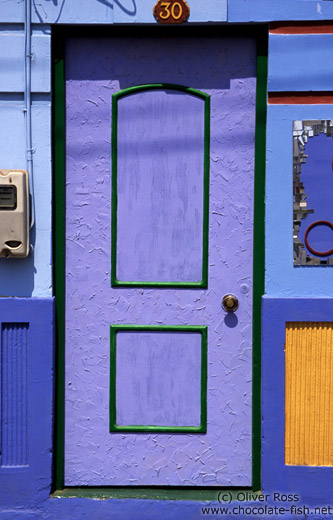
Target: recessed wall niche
312,193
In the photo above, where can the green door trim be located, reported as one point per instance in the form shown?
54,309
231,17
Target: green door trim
202,427
206,160
59,35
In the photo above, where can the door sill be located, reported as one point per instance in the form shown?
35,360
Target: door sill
208,494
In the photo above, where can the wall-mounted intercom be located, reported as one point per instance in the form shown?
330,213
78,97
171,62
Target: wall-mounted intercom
14,213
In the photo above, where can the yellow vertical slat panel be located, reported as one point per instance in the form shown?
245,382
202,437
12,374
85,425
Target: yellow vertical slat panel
309,394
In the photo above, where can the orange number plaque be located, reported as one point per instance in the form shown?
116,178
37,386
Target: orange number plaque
174,11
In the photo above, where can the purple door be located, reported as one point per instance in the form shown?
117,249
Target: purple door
159,220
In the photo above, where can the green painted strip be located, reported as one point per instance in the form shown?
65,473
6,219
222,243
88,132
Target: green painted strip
160,493
159,86
114,427
158,429
113,378
178,285
59,247
259,249
172,328
204,378
114,196
205,232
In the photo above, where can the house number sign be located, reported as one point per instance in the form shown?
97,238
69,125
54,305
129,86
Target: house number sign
174,11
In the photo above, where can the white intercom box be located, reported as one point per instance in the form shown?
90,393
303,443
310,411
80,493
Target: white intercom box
14,213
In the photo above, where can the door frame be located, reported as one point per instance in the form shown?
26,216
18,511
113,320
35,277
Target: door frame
59,36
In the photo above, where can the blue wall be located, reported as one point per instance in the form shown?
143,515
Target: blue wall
282,278
277,10
26,396
299,62
125,11
31,276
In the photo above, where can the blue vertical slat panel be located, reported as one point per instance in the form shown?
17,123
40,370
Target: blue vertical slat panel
14,395
26,387
313,484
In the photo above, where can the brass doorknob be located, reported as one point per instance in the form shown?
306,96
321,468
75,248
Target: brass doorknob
230,303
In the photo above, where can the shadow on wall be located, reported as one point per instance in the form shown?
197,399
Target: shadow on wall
16,281
130,11
122,55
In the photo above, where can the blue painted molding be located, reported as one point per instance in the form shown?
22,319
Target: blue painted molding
140,11
282,279
278,10
313,484
26,480
104,11
300,62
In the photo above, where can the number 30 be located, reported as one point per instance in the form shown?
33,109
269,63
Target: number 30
166,13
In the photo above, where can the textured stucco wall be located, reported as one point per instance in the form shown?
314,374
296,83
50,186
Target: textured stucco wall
223,456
